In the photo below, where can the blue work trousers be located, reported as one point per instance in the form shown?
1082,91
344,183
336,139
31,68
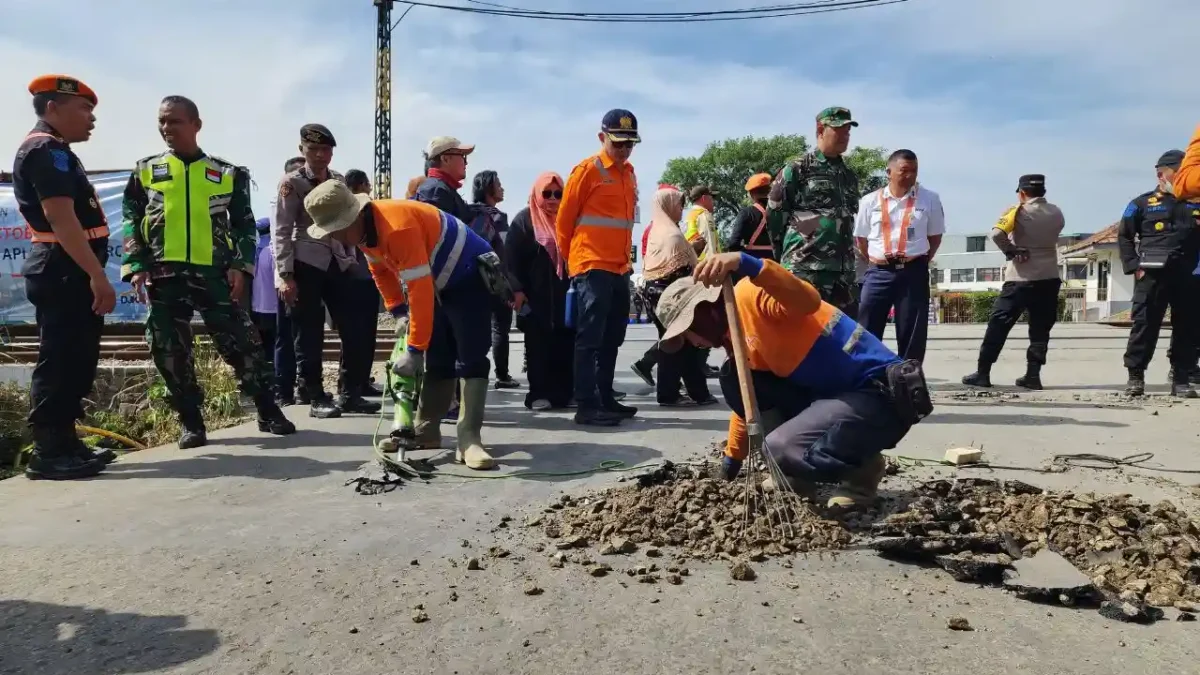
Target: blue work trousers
819,438
285,354
462,332
601,317
905,287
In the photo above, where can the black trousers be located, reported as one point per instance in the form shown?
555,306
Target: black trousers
265,323
1038,298
361,329
687,365
502,318
1173,287
68,349
318,289
550,353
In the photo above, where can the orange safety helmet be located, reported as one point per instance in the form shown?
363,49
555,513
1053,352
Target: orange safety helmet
758,181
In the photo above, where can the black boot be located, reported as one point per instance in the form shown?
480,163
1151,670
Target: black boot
323,407
104,455
1181,387
1032,379
982,377
194,435
55,457
625,412
271,419
357,404
595,417
1136,386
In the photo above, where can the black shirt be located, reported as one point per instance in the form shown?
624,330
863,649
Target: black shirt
744,226
45,167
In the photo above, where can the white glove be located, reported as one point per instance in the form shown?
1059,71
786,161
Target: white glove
402,326
410,364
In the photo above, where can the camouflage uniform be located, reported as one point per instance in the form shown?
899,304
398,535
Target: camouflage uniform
179,288
823,187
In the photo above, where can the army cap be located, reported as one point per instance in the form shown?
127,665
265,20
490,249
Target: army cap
62,84
621,126
317,133
1031,180
1170,159
836,117
676,308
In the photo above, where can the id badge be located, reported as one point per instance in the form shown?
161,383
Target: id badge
912,232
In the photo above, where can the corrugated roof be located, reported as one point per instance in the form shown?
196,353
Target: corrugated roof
1106,236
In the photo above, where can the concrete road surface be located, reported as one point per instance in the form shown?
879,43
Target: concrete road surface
250,555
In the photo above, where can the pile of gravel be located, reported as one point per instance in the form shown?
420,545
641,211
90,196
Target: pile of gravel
1130,549
703,518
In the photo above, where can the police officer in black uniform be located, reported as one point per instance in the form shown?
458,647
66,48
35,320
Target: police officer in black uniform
64,274
1158,239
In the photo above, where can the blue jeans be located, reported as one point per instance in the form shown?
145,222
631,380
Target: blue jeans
601,317
907,289
462,332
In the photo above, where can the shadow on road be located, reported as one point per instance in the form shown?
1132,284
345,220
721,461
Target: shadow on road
219,465
48,639
1022,403
560,421
1015,420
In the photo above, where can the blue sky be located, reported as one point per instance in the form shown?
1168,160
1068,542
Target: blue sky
982,90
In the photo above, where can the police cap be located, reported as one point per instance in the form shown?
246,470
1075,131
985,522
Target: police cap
317,133
1034,181
621,126
1170,159
62,84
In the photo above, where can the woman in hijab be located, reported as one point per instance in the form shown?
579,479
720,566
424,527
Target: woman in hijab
532,256
668,257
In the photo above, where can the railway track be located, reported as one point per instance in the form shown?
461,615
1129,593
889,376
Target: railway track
126,344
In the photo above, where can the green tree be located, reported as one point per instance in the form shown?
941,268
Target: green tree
725,165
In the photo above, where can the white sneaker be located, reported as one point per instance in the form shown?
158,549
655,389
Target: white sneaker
540,404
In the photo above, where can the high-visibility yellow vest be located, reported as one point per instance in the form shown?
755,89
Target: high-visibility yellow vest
183,199
692,230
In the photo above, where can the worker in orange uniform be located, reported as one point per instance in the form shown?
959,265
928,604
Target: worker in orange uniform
832,395
1187,179
451,274
594,228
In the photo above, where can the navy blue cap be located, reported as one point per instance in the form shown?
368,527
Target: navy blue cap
1170,159
1031,180
620,125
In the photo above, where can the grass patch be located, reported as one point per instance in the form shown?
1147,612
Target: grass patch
154,423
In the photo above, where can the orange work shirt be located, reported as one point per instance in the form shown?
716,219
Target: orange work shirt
1187,179
594,226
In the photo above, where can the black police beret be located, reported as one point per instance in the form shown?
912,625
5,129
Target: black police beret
317,133
1170,159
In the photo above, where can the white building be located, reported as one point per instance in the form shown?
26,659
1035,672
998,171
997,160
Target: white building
1108,289
967,262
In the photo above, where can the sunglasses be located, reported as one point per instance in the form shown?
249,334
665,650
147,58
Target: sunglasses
624,144
547,194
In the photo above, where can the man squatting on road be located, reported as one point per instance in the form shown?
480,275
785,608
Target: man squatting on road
831,394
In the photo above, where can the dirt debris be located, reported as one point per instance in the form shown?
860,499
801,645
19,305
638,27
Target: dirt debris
703,517
959,623
742,571
973,527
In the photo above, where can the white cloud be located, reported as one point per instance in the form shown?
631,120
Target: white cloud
1088,108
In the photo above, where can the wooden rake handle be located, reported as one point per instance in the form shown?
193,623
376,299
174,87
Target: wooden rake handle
742,360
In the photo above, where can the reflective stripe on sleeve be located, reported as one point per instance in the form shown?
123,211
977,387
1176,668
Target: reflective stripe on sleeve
414,273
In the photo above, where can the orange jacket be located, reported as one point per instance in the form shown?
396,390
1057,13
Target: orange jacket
408,235
595,219
1187,179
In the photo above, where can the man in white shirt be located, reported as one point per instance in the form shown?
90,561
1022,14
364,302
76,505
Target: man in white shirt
898,230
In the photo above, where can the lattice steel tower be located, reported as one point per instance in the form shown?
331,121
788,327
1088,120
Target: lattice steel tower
383,99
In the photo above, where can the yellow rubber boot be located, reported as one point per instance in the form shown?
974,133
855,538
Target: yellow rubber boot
432,405
470,425
860,486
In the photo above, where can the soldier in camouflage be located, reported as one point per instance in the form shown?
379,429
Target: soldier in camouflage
189,245
810,213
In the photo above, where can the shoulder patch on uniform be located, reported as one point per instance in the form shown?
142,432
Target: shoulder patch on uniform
285,189
61,159
1131,210
160,172
212,175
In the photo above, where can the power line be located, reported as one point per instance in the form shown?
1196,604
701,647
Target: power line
744,14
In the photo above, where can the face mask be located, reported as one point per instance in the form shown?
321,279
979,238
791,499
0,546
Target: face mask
1166,186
